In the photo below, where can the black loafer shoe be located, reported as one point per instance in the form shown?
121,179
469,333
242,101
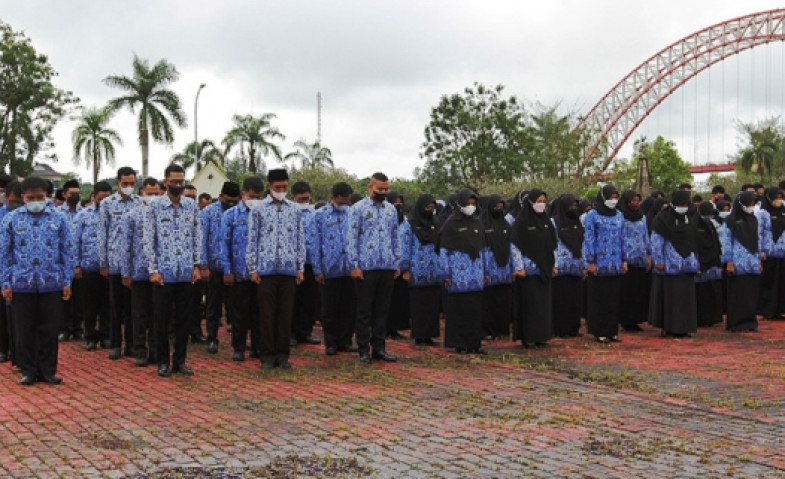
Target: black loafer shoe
348,349
331,351
115,353
164,371
238,356
128,353
91,346
50,379
254,354
141,362
198,339
27,380
106,344
62,337
3,357
284,364
183,369
365,359
385,357
293,342
212,347
268,364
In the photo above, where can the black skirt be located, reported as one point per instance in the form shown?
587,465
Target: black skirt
534,312
567,305
398,317
708,296
425,307
634,308
742,302
497,311
675,310
463,320
771,297
603,302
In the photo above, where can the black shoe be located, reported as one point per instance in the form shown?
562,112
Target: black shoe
293,342
79,336
164,371
384,356
254,354
129,353
615,339
183,369
348,349
212,347
106,344
541,345
91,346
238,356
27,380
631,327
62,337
481,351
268,364
141,362
461,350
365,359
50,379
283,363
395,335
603,339
114,354
331,351
198,339
3,357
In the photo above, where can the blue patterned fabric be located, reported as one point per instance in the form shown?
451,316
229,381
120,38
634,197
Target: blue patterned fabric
713,274
328,230
467,276
767,245
307,218
372,243
36,251
566,262
420,260
172,238
212,240
276,239
501,275
637,247
603,242
663,252
71,215
234,230
85,228
112,210
744,261
135,264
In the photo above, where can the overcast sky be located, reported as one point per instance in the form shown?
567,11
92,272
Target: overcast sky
381,66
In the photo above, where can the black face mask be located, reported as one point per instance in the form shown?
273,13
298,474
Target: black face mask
379,197
497,213
572,213
227,204
72,200
12,205
175,190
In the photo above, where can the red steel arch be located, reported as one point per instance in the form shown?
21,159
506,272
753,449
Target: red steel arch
616,116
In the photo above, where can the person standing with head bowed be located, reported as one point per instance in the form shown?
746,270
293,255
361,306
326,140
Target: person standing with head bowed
771,300
499,267
570,266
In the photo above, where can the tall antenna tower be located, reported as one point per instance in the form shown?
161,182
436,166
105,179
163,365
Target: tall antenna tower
319,117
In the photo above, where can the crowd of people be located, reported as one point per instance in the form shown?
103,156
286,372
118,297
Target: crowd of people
127,271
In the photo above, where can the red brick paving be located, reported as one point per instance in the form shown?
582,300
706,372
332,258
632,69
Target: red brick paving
709,406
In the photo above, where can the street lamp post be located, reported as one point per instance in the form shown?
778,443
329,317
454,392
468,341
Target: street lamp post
196,127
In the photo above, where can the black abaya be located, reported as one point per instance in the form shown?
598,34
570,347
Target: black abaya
742,302
708,297
425,308
567,305
679,309
602,318
534,309
771,298
463,326
398,317
497,311
634,308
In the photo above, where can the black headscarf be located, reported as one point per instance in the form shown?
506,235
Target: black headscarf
721,204
462,233
516,204
677,228
448,209
423,222
533,234
624,206
656,208
706,237
583,205
777,214
605,193
568,226
744,226
392,197
497,230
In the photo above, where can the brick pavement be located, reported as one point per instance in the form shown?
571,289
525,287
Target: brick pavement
710,406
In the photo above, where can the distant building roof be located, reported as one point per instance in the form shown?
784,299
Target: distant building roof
46,171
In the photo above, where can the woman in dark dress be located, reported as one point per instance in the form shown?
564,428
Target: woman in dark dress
771,300
570,267
635,287
708,284
497,295
398,317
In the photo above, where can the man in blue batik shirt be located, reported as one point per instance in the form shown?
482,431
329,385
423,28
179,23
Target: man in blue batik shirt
212,242
306,298
12,197
173,248
111,256
276,259
374,254
72,318
35,246
242,307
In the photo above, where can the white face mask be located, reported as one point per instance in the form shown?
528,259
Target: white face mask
611,203
252,203
303,206
278,196
127,190
468,210
681,210
539,207
748,209
146,199
724,214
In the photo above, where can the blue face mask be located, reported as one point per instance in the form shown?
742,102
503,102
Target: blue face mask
35,206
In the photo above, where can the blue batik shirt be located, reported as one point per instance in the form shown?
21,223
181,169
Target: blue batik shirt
467,275
663,252
565,262
85,231
328,230
603,242
212,240
276,239
112,210
637,248
36,251
372,243
234,230
68,212
173,239
499,275
307,218
733,251
135,264
772,249
420,260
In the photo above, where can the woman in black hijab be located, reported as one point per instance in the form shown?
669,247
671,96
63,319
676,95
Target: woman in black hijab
497,296
516,205
742,255
398,316
674,253
570,265
459,244
771,300
657,206
420,269
708,284
636,285
534,237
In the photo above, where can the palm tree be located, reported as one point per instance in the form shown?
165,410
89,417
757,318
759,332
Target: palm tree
311,155
759,158
208,151
146,90
257,134
94,140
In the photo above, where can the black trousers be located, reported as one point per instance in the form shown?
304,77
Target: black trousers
276,301
144,331
5,329
339,310
72,311
374,294
95,305
305,300
37,320
216,297
173,303
198,308
242,312
120,298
